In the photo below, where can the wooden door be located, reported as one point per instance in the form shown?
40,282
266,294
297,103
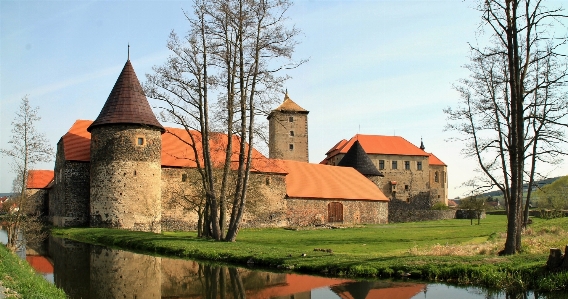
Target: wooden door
335,212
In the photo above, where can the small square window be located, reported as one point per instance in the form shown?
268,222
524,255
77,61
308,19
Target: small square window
292,133
291,119
381,164
140,141
407,165
291,147
394,165
405,187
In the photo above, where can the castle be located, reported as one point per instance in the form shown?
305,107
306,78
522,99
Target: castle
125,170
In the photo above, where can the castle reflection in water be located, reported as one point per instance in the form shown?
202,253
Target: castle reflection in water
89,271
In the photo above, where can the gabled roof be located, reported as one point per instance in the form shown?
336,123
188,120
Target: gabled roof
289,106
39,179
433,160
357,158
386,145
317,181
338,146
175,151
127,103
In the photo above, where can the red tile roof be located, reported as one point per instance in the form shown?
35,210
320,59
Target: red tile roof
175,151
307,180
294,284
39,179
127,103
386,145
433,160
40,264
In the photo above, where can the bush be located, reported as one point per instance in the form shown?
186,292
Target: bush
439,206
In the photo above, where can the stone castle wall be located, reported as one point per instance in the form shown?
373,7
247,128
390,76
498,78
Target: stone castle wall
417,208
125,189
286,129
36,202
307,212
69,195
439,182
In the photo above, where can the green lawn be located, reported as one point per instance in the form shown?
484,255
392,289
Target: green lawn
17,275
427,250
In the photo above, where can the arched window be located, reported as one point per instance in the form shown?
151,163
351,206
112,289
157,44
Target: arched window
335,212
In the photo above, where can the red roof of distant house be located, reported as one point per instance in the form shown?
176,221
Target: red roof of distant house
307,180
39,179
379,144
433,160
40,264
452,203
175,152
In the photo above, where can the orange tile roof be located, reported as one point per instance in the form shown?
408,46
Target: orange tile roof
433,160
387,145
175,151
307,180
40,264
338,146
77,142
39,179
295,284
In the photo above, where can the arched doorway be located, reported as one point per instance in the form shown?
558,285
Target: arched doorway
335,212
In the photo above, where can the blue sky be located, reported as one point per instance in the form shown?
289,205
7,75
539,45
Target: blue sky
375,67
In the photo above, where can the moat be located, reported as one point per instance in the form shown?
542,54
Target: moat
90,271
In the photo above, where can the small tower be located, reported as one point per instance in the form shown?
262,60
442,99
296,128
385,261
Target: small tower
288,132
126,144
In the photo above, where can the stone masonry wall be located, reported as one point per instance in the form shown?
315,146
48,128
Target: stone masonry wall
417,208
182,192
281,137
125,189
306,212
36,202
69,195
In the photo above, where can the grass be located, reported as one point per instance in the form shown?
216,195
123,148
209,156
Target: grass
21,281
446,250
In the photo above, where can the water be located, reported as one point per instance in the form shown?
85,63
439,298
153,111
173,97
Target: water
89,271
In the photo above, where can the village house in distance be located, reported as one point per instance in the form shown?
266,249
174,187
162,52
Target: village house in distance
125,170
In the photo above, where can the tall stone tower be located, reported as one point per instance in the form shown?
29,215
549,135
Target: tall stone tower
288,132
126,144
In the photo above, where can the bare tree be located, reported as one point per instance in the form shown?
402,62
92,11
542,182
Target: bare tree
27,148
220,76
508,114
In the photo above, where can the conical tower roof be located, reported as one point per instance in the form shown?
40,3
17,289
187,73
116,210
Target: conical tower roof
290,106
127,103
357,158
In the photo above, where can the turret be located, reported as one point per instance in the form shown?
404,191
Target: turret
125,183
288,132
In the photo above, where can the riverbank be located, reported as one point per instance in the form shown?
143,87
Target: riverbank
19,280
446,250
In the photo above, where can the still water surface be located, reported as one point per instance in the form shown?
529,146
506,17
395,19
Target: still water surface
89,271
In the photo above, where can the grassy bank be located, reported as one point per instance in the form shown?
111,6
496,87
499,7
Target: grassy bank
448,250
21,281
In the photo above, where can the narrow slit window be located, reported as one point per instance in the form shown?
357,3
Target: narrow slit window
291,133
184,177
291,146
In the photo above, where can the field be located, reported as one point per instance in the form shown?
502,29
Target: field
448,250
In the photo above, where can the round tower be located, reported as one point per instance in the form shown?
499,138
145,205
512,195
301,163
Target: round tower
125,166
288,132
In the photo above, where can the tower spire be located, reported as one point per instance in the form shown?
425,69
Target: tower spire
422,147
128,51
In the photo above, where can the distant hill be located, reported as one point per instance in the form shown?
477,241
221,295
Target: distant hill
6,194
539,184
